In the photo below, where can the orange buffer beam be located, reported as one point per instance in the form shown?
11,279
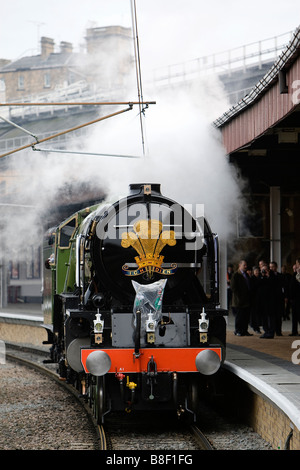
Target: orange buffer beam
167,359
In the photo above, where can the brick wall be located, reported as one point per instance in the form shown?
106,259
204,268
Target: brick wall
242,403
272,424
23,334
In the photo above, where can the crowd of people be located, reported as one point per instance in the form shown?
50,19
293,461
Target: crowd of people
263,297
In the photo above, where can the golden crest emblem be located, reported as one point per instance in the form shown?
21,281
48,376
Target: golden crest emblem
148,239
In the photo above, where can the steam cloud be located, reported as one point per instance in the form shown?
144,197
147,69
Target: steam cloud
184,154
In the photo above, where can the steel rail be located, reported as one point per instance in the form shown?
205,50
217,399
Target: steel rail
201,440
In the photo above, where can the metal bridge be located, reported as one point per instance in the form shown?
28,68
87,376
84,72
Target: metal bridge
243,65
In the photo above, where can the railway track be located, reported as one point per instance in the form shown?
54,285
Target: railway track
150,432
120,432
153,432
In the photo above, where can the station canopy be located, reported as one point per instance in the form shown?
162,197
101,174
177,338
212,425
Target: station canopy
261,132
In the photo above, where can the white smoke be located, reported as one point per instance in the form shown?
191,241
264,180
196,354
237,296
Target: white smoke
184,153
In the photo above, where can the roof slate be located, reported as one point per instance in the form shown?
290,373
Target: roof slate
39,62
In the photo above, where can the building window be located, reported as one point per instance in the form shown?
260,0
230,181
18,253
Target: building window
33,263
47,80
2,187
72,78
2,84
21,82
13,268
66,232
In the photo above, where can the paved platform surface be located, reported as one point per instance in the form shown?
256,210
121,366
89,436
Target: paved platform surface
279,346
30,314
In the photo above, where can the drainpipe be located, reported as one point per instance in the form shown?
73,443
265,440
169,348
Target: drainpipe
275,225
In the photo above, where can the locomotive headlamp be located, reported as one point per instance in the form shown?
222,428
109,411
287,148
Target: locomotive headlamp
150,328
98,328
98,324
203,327
150,323
203,322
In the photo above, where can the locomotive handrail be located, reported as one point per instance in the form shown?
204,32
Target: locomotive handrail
137,334
164,265
78,245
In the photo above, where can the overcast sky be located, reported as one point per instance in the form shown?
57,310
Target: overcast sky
170,31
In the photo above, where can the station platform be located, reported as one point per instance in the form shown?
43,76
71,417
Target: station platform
22,323
28,314
271,367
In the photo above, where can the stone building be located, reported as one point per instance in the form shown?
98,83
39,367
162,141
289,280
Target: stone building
105,64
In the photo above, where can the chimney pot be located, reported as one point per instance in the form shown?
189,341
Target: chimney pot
66,47
47,46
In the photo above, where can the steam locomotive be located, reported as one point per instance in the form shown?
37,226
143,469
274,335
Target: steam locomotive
131,304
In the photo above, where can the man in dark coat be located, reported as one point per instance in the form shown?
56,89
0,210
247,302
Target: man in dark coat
287,294
266,299
240,286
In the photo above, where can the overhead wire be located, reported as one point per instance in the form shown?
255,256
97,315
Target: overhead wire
38,141
58,134
142,105
74,103
75,152
19,127
138,68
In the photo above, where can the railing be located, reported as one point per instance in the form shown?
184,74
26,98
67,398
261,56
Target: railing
226,62
9,144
